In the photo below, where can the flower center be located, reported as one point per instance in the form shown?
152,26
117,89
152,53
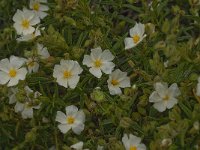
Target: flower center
25,23
12,73
136,38
67,74
36,6
70,120
133,148
27,105
31,64
33,35
98,63
114,82
166,98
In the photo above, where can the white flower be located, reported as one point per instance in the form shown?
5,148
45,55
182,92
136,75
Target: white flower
198,87
52,147
166,63
166,142
32,64
99,147
74,119
30,36
11,70
164,97
137,35
24,21
67,73
26,108
118,79
99,61
12,95
132,142
42,51
78,146
39,8
196,125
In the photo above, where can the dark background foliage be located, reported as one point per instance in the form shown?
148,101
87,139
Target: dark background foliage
72,28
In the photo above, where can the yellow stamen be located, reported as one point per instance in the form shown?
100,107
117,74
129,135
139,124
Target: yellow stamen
98,63
12,73
36,6
67,74
166,98
70,120
33,35
114,82
31,64
133,148
136,38
28,105
25,23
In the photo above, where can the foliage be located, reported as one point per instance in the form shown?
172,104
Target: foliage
72,28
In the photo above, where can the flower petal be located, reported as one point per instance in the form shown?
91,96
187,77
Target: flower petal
141,28
126,141
12,99
5,65
125,82
18,16
41,14
174,90
161,88
96,72
16,62
62,82
107,55
114,90
29,30
107,67
87,61
57,71
160,106
198,89
64,128
129,43
18,28
155,97
77,146
4,78
73,81
134,30
78,128
76,69
61,117
171,102
80,116
13,82
71,110
44,7
35,20
134,140
96,53
27,113
19,107
141,147
21,73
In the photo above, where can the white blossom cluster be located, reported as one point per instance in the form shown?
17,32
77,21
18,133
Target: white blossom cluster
67,74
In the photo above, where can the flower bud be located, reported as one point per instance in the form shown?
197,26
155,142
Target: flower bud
125,122
31,136
166,142
97,95
77,52
196,125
